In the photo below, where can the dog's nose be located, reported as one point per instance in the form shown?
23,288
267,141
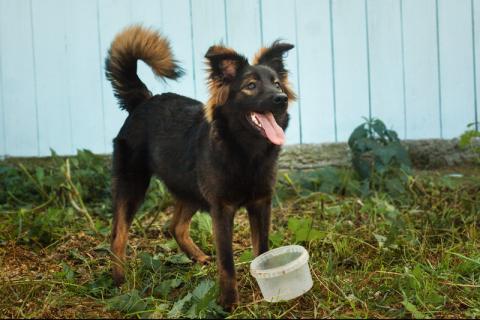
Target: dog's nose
280,98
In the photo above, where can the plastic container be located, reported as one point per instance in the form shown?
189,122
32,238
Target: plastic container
282,273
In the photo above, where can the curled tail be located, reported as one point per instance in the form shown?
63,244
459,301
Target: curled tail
130,45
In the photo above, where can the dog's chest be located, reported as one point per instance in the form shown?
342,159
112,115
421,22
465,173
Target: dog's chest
245,183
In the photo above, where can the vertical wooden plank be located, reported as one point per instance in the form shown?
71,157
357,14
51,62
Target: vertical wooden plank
176,25
458,108
278,18
386,63
315,60
3,150
84,76
421,74
350,65
243,26
54,117
475,25
149,14
113,16
18,79
208,28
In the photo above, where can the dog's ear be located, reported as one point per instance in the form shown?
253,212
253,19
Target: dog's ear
224,63
273,57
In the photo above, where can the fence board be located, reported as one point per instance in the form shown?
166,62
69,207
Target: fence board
54,116
386,63
3,140
350,65
149,13
279,23
177,27
18,79
421,74
243,26
84,73
475,24
318,121
113,16
208,22
458,107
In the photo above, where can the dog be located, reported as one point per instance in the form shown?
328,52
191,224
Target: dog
215,157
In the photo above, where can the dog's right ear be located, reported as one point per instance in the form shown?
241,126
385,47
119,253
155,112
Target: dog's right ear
273,57
224,63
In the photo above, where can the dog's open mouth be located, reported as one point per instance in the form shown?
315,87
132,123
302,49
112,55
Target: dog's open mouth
268,127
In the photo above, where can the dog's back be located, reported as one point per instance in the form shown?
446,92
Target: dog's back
160,134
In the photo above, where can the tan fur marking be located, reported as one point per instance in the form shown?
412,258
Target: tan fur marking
218,96
119,242
180,229
259,54
218,90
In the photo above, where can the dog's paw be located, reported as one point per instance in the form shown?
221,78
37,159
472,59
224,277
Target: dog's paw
118,277
229,301
203,260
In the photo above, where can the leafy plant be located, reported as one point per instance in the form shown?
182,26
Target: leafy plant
303,230
132,303
200,303
379,158
470,139
201,230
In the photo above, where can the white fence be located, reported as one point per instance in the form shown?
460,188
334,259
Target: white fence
411,63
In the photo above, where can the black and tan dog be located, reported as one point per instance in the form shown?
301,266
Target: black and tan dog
215,157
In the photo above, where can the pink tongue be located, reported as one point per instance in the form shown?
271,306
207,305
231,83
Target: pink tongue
273,131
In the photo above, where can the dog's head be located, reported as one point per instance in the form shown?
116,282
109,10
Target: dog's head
253,97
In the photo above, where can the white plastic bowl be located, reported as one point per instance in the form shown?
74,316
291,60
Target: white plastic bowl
282,273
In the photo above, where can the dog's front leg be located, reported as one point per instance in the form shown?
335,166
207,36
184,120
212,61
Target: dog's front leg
259,217
222,216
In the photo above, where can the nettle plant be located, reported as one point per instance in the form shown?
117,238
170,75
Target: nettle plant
470,139
379,159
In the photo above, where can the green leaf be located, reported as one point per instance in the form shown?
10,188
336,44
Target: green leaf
67,273
177,309
202,222
198,304
166,286
150,263
40,174
379,127
303,230
130,302
380,239
246,256
169,245
357,134
276,239
179,258
413,310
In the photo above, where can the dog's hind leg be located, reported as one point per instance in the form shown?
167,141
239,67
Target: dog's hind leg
128,195
180,229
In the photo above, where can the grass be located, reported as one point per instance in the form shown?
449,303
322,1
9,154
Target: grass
413,255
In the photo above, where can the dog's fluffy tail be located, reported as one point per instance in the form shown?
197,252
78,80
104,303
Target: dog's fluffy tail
130,45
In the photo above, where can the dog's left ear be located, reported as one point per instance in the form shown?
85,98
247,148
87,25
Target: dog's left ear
225,63
273,57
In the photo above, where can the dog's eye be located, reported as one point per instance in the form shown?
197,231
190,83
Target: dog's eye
277,84
251,86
